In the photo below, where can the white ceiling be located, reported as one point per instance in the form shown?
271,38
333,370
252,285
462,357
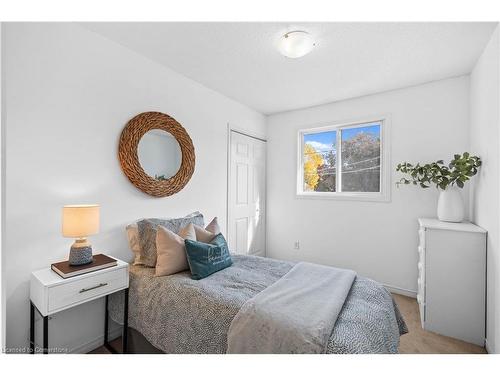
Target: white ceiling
240,60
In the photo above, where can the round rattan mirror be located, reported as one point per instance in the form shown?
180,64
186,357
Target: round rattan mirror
149,124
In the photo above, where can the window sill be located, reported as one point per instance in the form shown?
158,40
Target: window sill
364,197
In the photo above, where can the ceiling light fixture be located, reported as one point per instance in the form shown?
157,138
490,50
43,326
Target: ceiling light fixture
296,44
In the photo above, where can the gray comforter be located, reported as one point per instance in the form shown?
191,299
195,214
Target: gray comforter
294,315
179,315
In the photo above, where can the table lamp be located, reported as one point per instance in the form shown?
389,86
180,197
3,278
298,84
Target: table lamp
80,221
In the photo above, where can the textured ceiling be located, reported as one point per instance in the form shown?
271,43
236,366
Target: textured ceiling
241,61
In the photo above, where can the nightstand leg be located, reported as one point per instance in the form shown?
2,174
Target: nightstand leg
106,322
106,328
46,334
32,328
125,323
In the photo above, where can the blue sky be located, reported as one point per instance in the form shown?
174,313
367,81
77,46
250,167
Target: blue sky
325,141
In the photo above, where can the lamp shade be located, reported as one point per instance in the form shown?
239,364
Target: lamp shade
80,220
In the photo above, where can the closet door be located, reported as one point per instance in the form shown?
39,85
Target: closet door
247,195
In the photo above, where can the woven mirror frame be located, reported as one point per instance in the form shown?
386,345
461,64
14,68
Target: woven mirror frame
129,158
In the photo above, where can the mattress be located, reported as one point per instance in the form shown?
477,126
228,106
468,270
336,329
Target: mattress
179,315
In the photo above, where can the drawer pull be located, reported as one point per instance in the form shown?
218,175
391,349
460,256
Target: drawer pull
94,287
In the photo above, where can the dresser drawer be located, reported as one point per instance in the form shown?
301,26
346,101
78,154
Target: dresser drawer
421,255
421,288
421,309
420,283
421,238
65,295
421,271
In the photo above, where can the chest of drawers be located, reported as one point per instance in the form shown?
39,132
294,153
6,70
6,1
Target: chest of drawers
452,279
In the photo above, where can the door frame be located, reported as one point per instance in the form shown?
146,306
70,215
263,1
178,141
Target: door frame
255,135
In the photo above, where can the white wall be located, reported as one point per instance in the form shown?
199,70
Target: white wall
378,240
485,142
69,93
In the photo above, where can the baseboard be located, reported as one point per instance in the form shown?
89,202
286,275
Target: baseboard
97,342
402,291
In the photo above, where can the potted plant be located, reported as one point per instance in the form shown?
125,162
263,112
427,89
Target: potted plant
447,178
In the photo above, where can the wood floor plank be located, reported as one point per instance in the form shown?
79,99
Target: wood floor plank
419,341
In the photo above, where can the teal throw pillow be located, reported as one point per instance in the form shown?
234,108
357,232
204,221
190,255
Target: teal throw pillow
205,259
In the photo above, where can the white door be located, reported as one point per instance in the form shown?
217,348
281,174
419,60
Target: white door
247,195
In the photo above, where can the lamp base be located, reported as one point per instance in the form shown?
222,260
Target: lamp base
80,255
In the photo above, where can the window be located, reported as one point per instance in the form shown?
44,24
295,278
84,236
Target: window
344,161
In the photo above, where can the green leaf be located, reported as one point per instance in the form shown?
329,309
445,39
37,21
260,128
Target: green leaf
459,170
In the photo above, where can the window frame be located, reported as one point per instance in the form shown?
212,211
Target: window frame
385,173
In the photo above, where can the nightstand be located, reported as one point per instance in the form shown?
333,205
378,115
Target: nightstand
50,293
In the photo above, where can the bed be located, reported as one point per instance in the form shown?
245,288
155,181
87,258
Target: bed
176,314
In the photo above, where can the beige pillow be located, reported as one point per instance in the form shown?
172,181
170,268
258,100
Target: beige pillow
133,241
207,235
171,251
213,226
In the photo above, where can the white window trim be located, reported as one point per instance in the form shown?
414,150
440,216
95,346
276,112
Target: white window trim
385,176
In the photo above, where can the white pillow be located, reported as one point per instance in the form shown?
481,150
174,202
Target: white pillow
171,251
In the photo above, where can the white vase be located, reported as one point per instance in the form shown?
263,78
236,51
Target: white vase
450,205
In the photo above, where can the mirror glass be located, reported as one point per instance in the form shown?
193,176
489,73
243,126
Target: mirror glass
160,154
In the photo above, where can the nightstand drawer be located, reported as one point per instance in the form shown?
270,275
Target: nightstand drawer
68,294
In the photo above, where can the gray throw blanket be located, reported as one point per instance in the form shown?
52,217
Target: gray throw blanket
179,315
296,314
